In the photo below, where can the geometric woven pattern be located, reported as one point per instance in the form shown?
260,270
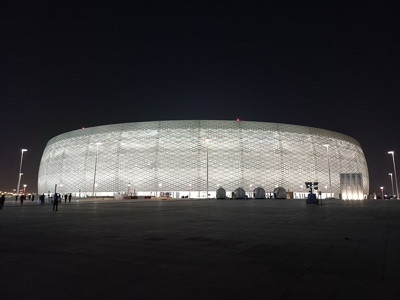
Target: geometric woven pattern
172,156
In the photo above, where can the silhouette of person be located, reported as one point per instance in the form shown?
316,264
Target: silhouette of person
33,197
22,198
41,198
69,197
2,200
65,198
55,202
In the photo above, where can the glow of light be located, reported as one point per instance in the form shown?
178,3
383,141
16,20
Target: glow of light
391,152
237,119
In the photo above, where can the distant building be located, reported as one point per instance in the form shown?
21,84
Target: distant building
181,157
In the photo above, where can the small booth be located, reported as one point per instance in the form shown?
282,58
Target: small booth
259,193
279,193
239,193
221,193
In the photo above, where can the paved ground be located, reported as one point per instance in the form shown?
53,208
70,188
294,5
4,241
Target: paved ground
201,249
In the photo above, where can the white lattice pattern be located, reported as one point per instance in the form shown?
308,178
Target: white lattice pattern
171,156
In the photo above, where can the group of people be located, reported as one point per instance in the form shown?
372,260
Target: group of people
22,198
56,199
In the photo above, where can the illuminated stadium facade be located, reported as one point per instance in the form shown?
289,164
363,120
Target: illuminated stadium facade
187,158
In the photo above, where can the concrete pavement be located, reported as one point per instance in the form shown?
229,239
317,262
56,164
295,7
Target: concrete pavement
201,249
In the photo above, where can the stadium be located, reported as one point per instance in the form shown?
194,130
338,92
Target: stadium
195,158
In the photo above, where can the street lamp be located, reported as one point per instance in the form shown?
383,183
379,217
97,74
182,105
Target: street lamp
207,140
329,167
95,166
159,189
20,169
391,179
382,193
395,174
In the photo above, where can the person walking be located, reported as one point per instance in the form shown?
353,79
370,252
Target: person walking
2,200
22,198
55,202
65,198
41,198
69,197
33,197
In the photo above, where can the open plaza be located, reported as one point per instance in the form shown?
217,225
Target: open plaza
200,249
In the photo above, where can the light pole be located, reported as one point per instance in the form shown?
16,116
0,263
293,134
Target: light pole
382,193
329,167
391,179
159,189
20,169
207,140
395,174
95,166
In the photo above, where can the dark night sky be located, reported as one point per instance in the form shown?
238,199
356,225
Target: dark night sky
328,65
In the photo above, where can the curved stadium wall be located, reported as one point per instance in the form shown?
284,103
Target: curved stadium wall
177,157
